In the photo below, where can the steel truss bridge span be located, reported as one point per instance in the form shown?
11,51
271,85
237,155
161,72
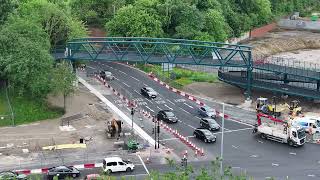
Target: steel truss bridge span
235,62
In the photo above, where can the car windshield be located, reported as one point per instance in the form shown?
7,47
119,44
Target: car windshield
213,122
301,133
169,113
108,73
208,109
318,123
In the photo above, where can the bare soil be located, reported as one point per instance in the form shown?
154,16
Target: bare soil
298,45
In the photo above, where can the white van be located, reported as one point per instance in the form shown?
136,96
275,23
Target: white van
309,122
116,164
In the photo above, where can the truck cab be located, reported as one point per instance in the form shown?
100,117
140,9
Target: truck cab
309,123
297,136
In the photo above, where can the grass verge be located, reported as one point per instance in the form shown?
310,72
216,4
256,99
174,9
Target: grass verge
26,110
179,77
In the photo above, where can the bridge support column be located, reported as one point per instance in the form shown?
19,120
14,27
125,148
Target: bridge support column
285,79
74,68
248,92
318,85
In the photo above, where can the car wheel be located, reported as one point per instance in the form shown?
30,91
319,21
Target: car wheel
128,169
74,175
263,136
194,135
290,142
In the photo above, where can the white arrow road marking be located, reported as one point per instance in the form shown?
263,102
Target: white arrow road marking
188,105
125,84
134,78
236,147
275,164
149,109
260,141
254,156
168,107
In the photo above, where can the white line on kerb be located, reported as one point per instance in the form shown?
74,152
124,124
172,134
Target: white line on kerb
184,110
188,105
170,102
144,165
126,84
149,108
168,107
134,78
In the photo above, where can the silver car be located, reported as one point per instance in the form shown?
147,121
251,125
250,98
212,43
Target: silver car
10,175
149,92
207,111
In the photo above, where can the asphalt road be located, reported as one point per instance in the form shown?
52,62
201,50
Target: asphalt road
259,158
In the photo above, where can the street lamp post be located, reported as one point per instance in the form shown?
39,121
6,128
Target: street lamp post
132,113
221,150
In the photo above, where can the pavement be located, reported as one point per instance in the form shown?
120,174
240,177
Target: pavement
242,150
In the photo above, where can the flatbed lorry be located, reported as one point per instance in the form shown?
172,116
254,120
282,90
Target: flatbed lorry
279,130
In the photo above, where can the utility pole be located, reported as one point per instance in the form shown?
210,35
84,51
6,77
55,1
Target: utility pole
132,113
158,131
221,150
155,132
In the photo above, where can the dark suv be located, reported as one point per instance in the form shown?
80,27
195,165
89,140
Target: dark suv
210,124
204,135
167,115
63,172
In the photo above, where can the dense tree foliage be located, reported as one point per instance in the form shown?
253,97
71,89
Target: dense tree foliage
26,38
6,7
212,20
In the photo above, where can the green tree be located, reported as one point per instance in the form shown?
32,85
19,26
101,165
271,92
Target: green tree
56,22
62,80
132,21
6,7
26,63
216,25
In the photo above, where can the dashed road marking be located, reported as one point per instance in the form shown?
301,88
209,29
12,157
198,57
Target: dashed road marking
260,141
122,72
168,107
149,100
293,153
191,126
149,108
170,102
125,84
158,108
184,110
254,156
236,147
145,84
134,78
91,67
227,129
197,117
136,92
311,175
188,105
230,119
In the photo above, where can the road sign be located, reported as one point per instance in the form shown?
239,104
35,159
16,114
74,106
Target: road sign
167,66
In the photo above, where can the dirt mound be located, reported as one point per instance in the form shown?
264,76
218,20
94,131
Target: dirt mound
284,41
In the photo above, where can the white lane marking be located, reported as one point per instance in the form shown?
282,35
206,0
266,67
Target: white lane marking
134,175
149,109
197,117
275,164
128,109
232,130
168,107
191,126
136,92
260,141
144,165
227,129
170,102
116,78
149,100
91,67
169,139
236,147
311,175
293,153
184,110
158,108
254,156
122,72
134,78
125,84
188,105
229,119
145,84
179,120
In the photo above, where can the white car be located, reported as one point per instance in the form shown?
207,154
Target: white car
149,92
207,111
116,164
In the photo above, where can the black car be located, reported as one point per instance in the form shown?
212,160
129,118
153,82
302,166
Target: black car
210,124
167,115
10,175
149,92
62,172
204,135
